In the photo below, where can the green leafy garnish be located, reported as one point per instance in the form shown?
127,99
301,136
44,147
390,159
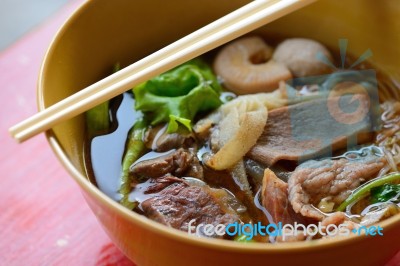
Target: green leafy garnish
365,189
178,95
385,193
173,123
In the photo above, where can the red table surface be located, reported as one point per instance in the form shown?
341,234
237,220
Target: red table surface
44,219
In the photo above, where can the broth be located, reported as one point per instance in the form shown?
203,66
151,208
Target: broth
104,153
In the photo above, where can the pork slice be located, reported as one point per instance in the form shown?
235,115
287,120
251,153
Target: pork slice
179,203
274,198
337,218
334,179
311,129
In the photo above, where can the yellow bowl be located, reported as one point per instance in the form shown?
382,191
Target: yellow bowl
103,32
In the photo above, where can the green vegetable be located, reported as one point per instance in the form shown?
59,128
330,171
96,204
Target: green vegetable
98,118
243,239
178,95
365,189
134,149
173,123
385,193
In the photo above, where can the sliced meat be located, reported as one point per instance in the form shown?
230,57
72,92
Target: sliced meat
202,128
311,129
168,141
195,169
255,173
314,180
290,236
161,183
179,163
178,204
158,139
226,180
336,218
274,198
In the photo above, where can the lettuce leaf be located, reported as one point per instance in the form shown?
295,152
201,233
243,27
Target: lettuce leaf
178,95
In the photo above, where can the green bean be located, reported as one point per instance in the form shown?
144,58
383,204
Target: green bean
364,189
98,118
134,149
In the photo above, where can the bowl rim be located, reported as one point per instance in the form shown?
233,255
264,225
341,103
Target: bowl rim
157,228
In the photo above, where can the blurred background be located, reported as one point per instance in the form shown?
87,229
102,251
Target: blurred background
17,17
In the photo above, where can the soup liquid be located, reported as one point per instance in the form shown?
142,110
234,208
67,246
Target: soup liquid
104,153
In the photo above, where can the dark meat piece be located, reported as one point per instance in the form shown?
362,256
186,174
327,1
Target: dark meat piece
195,169
180,163
178,204
161,183
255,173
174,140
314,180
203,127
311,129
176,162
224,179
159,140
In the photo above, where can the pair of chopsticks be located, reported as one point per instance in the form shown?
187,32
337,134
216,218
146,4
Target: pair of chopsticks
223,30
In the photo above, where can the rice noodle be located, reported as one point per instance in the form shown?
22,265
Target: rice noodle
389,137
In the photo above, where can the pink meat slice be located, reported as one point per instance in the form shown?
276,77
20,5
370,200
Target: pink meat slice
333,179
274,198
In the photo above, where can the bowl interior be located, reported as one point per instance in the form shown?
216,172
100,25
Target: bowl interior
104,32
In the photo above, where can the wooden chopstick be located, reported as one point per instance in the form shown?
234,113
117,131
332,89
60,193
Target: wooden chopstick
229,27
166,51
